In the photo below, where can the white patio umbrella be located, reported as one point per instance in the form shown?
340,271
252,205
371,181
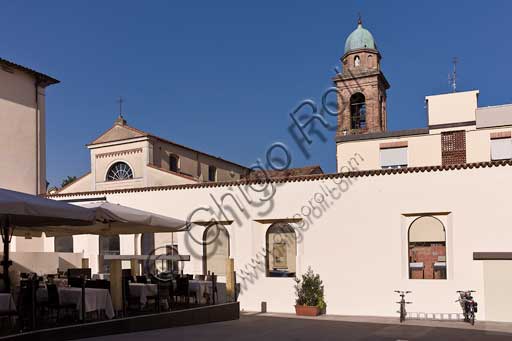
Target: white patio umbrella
114,219
28,215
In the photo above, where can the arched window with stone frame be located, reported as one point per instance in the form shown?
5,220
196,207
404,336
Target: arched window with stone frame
281,246
427,249
215,249
119,171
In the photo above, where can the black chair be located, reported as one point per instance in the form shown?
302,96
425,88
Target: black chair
165,293
9,313
183,290
141,279
27,301
98,284
79,272
54,303
129,301
75,282
215,294
126,273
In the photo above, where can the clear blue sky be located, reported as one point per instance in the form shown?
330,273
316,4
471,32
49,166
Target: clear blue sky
222,76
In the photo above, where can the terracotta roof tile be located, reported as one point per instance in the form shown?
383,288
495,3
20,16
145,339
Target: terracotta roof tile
47,79
290,172
355,174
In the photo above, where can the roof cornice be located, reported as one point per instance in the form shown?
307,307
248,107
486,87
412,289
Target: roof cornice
44,80
301,178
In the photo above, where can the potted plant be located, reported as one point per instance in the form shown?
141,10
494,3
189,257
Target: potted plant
310,294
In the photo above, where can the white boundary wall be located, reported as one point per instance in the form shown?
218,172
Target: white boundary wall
358,244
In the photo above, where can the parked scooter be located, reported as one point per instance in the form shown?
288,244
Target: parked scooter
402,303
468,305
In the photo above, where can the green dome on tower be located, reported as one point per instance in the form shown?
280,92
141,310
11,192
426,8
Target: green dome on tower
360,38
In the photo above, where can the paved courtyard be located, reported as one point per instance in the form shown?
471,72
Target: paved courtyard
283,327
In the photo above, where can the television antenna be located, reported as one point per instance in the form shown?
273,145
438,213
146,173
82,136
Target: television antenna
452,77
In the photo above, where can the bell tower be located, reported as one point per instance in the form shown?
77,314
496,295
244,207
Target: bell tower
361,86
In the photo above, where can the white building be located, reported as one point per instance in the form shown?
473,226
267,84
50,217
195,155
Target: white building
23,134
423,210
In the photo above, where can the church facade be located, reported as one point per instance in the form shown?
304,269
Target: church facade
126,157
424,210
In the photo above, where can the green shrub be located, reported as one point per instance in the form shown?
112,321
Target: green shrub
310,290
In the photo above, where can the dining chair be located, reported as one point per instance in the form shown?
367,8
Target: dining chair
75,282
27,303
165,293
54,303
215,294
129,301
183,290
98,284
8,313
141,279
24,305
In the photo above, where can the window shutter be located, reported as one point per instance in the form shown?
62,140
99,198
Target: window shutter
393,157
501,149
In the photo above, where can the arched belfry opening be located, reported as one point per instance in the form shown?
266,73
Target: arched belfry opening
358,111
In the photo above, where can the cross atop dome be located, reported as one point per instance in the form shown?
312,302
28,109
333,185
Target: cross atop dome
360,38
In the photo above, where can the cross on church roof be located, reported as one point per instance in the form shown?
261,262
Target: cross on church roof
120,101
120,119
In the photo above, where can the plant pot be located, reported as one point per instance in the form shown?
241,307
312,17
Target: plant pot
305,310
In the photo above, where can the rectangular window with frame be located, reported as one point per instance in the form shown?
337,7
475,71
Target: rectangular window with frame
501,147
393,156
212,173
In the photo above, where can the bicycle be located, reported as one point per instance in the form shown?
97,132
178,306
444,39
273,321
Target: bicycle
402,302
468,305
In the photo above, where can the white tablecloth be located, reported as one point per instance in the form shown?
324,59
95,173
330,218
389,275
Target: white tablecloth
101,276
7,302
95,299
142,291
205,287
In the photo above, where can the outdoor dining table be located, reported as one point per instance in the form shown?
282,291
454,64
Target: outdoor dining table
95,299
143,290
7,302
202,287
